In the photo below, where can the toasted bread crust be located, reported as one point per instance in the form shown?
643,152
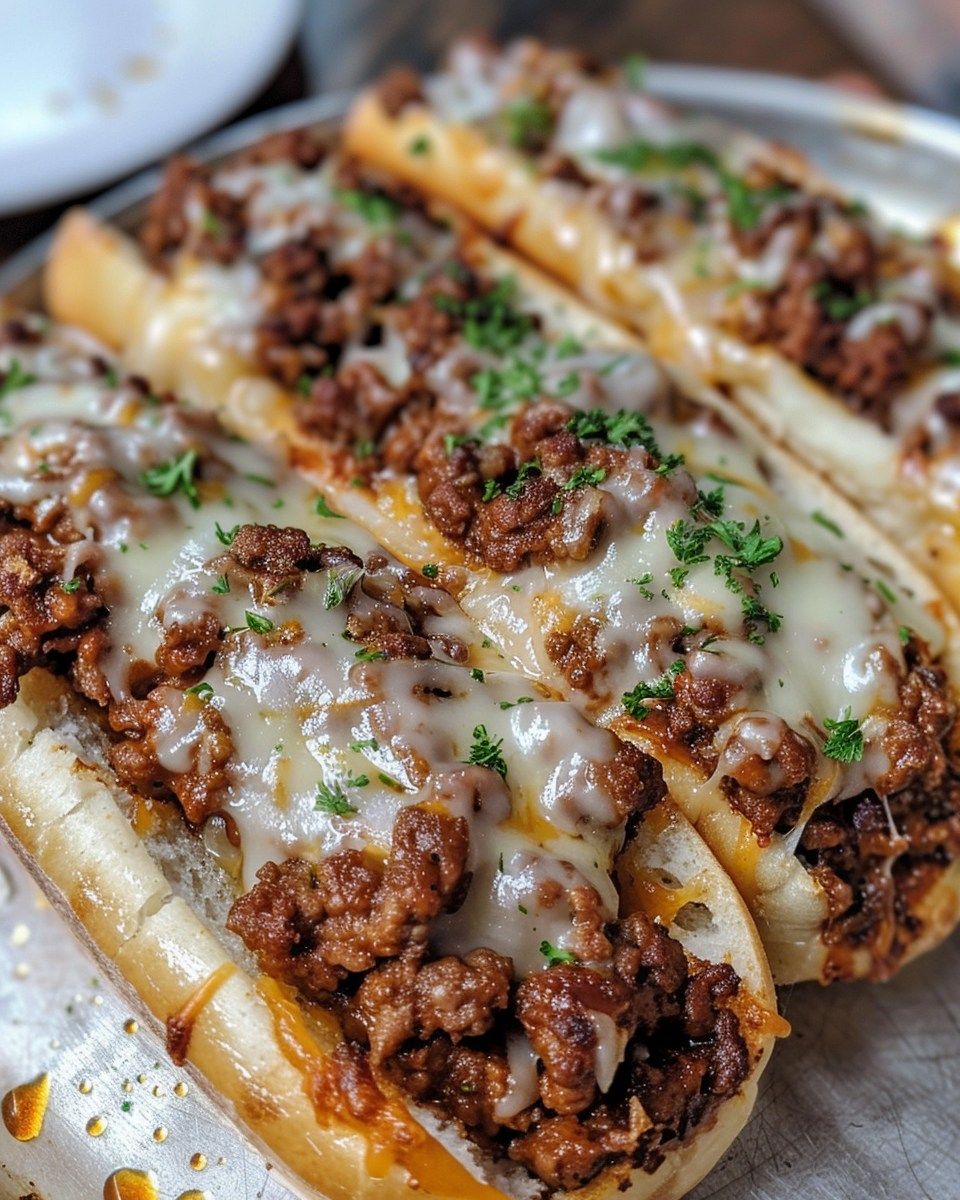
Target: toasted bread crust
248,1041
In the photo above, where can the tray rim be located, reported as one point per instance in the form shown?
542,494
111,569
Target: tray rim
768,92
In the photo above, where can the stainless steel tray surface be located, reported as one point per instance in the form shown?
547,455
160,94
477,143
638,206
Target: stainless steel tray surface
861,1103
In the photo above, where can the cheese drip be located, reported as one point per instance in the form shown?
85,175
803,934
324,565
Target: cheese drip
330,740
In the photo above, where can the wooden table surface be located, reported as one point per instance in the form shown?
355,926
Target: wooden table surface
344,42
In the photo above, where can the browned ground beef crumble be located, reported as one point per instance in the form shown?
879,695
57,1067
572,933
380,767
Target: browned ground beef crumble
405,430
353,934
838,260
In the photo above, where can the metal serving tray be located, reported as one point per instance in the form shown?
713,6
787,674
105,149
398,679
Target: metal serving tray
861,1103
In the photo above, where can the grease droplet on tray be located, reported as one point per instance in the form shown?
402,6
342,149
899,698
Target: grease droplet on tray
128,1184
96,1126
198,1161
24,1106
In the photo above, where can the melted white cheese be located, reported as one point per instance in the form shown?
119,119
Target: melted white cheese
309,718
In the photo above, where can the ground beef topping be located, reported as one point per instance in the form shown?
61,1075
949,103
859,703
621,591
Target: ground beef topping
355,935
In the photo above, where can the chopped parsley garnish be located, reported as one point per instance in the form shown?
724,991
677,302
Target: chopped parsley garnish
430,570
505,704
15,377
364,448
660,689
837,304
745,204
339,586
585,477
526,123
567,346
210,223
500,389
711,502
366,744
949,358
554,955
524,472
304,385
222,585
904,633
203,691
492,489
452,440
174,475
365,654
358,781
323,509
263,480
491,321
333,800
566,385
831,526
419,145
678,576
739,286
634,71
71,585
845,743
622,428
373,207
581,477
256,623
886,591
644,155
485,752
477,674
226,536
641,581
750,550
687,541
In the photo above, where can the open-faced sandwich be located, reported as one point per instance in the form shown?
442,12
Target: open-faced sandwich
838,331
621,535
416,919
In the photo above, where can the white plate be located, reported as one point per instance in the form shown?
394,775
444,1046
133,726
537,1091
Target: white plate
91,89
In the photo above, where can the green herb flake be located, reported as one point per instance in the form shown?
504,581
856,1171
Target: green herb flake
885,591
419,145
485,752
642,155
203,691
257,623
527,123
375,208
430,570
477,674
660,689
333,800
366,744
845,741
226,537
222,585
827,523
554,955
71,585
323,509
14,378
365,654
174,475
339,586
634,71
641,582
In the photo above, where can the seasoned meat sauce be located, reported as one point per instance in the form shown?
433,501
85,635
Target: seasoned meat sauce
622,1020
442,375
781,258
